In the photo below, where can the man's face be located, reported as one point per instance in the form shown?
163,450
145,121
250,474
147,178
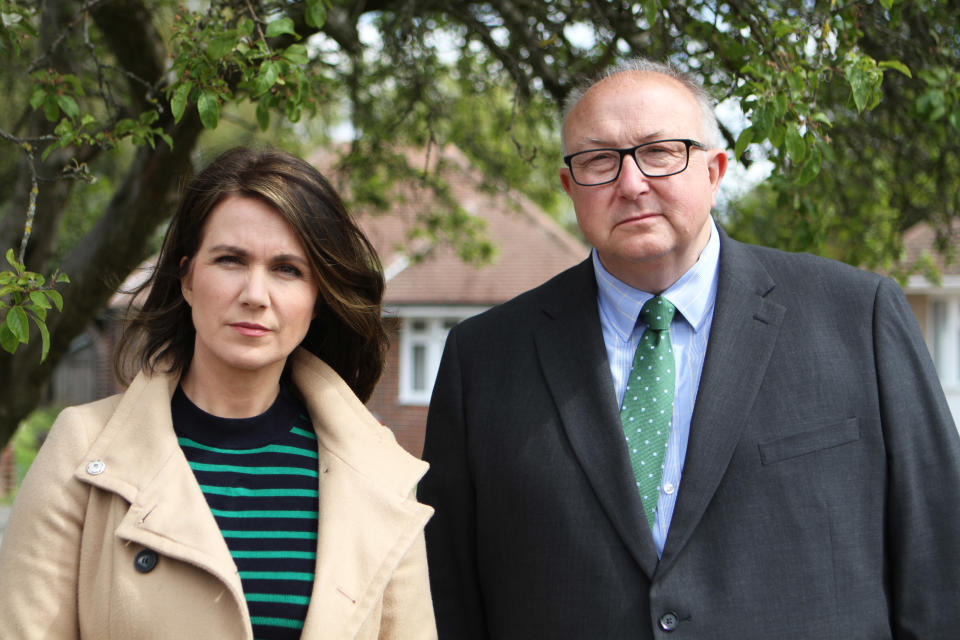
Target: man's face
647,231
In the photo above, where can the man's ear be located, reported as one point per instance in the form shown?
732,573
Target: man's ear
186,280
716,169
566,179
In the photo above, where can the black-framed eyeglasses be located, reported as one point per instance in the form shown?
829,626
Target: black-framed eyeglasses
657,159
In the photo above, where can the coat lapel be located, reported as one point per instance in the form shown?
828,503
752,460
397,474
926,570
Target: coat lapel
742,337
369,517
572,354
143,463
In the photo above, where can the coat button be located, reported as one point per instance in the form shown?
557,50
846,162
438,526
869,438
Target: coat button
96,467
145,561
669,621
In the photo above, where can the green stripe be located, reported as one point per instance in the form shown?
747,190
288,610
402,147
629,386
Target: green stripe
286,555
264,513
277,575
305,535
281,598
270,448
277,622
258,493
303,432
261,471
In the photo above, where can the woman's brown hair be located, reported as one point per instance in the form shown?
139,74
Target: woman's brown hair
347,332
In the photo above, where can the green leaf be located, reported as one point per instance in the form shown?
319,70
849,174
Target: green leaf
316,15
37,97
63,278
266,78
864,78
39,299
44,339
886,4
245,27
17,322
209,108
896,65
955,119
178,103
811,168
263,115
69,106
742,141
12,259
51,109
55,298
281,25
38,312
796,146
650,10
296,54
221,46
8,341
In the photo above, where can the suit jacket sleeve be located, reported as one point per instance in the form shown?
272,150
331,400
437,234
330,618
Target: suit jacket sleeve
448,487
923,451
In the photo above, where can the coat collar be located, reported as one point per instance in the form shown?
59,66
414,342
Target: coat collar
368,517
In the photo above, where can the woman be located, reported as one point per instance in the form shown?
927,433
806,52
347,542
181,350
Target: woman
238,488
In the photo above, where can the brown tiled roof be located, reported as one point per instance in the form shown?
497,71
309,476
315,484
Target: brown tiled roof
531,247
919,239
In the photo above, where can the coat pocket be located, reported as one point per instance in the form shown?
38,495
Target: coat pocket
818,439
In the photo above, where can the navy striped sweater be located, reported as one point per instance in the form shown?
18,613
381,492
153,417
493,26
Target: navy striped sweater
259,476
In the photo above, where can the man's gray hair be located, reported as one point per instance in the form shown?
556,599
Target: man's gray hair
711,128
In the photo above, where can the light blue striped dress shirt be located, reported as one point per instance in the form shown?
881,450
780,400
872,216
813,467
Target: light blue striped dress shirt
694,295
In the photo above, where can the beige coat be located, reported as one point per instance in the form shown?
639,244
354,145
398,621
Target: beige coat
112,481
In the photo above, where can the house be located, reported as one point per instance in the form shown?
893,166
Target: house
937,306
425,298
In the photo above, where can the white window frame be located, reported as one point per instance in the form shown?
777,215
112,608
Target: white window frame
431,342
944,341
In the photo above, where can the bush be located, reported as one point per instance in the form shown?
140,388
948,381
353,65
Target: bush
27,440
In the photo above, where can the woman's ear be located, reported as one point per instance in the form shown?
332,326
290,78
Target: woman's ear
186,280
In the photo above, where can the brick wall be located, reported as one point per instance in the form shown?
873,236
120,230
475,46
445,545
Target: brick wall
407,422
6,470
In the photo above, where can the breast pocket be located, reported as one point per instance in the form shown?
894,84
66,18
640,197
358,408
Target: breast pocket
810,441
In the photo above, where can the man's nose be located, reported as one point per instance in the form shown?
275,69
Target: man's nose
632,182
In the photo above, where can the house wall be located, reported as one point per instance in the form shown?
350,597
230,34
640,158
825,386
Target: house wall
407,422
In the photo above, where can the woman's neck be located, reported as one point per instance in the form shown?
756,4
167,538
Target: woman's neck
236,396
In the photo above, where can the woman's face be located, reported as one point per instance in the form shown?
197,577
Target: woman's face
250,290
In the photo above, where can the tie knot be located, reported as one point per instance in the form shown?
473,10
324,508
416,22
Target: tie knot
657,313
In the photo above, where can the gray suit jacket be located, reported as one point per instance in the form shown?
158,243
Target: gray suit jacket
820,495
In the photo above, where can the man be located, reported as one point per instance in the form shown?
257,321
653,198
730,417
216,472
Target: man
806,483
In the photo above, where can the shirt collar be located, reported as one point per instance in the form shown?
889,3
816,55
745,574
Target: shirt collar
693,294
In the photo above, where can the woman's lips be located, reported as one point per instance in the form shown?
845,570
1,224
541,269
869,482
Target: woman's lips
250,329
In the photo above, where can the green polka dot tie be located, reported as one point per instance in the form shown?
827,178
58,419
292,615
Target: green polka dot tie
647,409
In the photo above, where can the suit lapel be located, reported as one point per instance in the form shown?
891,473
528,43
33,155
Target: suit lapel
572,354
742,337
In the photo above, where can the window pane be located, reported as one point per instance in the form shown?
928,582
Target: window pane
418,325
940,335
419,367
448,323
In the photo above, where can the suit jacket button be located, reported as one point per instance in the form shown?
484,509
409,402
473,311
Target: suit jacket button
145,561
669,621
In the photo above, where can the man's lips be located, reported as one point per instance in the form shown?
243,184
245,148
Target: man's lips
250,329
639,217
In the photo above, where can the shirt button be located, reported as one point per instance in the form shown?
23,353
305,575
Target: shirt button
96,467
669,621
669,488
